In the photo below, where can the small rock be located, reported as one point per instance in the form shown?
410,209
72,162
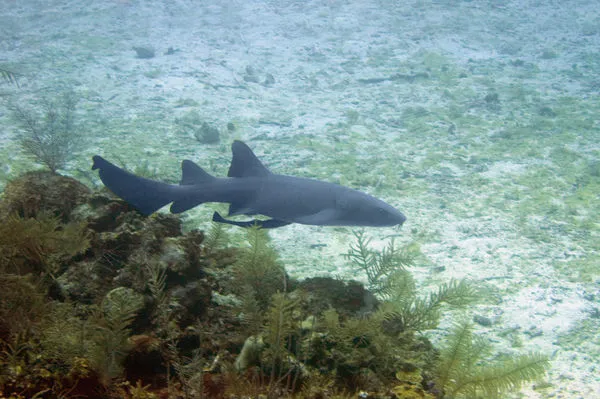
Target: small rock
482,320
269,80
144,52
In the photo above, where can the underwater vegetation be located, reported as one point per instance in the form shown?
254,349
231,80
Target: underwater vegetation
9,76
464,372
49,136
101,302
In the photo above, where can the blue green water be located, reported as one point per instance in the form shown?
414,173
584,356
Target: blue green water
479,120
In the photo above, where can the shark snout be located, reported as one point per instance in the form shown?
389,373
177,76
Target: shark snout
400,218
387,215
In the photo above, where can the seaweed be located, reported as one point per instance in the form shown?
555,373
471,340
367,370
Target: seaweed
49,354
280,332
361,354
216,238
166,330
111,325
257,270
410,385
188,370
406,311
250,312
321,386
67,333
402,309
38,245
26,371
462,372
22,306
126,390
51,138
350,335
380,266
9,76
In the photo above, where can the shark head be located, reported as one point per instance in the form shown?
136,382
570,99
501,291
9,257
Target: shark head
356,208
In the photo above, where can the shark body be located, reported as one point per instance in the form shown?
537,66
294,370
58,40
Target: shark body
252,189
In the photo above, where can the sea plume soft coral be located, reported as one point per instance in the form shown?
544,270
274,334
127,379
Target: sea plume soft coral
50,137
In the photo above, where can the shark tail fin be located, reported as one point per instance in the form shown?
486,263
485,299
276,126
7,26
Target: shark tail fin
146,195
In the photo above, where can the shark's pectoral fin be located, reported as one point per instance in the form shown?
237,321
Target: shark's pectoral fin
240,208
146,195
264,224
326,217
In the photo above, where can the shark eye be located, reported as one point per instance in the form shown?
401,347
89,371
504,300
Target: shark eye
384,213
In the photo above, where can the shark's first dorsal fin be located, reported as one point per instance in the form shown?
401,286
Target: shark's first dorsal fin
244,163
193,174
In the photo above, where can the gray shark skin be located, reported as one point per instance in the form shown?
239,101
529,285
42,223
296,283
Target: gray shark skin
252,189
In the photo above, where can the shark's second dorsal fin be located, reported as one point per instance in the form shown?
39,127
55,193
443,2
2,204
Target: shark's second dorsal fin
193,174
244,163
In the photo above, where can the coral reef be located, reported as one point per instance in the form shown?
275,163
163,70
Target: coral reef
42,191
99,301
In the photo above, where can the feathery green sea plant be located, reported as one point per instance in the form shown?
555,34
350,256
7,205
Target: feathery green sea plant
166,328
216,237
112,322
68,333
9,76
353,346
39,245
462,372
280,328
411,312
126,390
189,370
250,312
157,282
380,266
52,137
351,333
258,270
28,370
22,305
388,276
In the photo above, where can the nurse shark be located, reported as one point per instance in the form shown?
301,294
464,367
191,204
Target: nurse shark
251,189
